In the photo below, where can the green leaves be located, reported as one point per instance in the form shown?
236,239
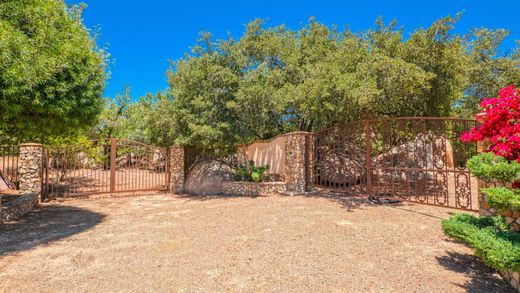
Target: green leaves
51,72
489,236
489,167
250,173
502,198
274,79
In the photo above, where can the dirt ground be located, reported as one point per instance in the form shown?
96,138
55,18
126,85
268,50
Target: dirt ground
295,243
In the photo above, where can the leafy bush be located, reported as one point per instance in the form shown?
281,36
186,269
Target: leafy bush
490,167
489,236
52,73
502,198
253,173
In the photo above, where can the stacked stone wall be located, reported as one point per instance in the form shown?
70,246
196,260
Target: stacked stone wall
253,188
176,169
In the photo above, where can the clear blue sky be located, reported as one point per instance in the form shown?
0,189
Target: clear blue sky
143,35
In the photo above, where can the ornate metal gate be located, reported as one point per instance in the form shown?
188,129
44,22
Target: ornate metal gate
104,166
418,159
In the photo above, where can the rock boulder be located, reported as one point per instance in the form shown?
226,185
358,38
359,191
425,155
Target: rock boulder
206,176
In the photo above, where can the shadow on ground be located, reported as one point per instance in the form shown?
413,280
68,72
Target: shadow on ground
348,202
45,224
483,278
215,196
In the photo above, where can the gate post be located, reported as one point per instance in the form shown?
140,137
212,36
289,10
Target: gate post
30,167
296,160
176,169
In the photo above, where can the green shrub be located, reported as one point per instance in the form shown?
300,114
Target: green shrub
489,167
254,173
502,198
242,174
489,236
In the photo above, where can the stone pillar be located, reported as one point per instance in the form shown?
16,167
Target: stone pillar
176,169
242,155
296,160
30,167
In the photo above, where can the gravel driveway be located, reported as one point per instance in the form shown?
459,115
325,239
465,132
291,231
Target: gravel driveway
174,243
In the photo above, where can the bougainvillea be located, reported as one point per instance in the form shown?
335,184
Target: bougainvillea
499,124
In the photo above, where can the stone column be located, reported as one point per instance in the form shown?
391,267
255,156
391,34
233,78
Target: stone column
176,169
242,155
296,161
30,167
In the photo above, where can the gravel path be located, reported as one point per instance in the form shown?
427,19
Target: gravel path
174,243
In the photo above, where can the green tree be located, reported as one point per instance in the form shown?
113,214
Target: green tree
52,74
274,80
489,69
122,118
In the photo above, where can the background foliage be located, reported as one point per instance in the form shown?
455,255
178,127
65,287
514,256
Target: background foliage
269,81
274,80
52,73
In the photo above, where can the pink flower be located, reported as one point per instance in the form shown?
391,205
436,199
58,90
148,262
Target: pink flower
500,124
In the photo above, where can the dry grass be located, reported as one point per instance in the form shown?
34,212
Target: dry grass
175,243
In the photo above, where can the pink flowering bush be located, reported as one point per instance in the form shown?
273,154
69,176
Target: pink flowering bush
500,124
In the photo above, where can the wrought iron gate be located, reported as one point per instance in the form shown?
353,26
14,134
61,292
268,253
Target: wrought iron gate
418,159
104,166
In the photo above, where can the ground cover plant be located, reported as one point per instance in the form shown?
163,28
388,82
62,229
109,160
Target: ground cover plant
489,237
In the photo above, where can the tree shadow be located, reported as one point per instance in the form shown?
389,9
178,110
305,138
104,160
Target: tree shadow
345,200
45,224
483,278
215,196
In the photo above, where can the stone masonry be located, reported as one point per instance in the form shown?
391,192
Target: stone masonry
176,169
17,208
295,161
252,188
31,168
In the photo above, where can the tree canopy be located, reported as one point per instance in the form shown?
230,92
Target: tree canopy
274,80
122,118
52,74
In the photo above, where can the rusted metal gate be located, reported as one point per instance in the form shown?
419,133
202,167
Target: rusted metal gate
9,175
104,166
418,159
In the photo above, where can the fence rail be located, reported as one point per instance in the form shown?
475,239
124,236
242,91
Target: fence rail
9,174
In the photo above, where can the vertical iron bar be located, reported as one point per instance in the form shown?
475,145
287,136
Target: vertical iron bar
46,191
367,158
112,165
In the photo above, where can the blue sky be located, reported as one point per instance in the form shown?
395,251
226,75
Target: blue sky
142,36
